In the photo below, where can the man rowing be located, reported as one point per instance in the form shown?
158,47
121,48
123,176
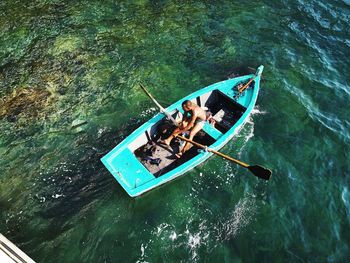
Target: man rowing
193,119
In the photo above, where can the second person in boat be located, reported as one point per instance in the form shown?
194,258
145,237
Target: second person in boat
193,120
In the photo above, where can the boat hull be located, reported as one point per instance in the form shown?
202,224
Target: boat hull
136,179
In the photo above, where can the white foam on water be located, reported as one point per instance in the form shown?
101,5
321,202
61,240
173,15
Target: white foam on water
148,112
173,236
142,250
161,228
197,239
257,111
345,196
55,196
164,232
194,242
42,199
247,135
239,218
247,132
290,175
250,133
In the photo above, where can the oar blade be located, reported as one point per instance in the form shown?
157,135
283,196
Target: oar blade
260,171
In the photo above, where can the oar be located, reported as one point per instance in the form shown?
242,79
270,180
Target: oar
256,170
240,90
258,72
159,106
254,70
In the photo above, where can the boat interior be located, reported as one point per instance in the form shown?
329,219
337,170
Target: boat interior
160,159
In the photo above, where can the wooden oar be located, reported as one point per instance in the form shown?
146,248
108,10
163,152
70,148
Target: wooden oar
246,85
256,170
159,106
257,73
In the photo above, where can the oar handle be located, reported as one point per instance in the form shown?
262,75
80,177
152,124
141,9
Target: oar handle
246,85
257,73
152,98
159,106
213,151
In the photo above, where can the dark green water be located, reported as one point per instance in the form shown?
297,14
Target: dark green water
69,74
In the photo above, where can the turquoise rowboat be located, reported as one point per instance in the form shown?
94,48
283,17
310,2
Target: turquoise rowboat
140,164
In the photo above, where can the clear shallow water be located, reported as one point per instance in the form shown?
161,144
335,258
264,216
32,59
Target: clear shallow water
69,75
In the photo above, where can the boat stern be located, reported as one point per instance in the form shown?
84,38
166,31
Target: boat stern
127,169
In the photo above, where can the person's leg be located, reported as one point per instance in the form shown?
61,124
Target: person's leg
176,132
193,132
167,141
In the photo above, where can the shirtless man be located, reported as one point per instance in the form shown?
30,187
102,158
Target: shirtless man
194,118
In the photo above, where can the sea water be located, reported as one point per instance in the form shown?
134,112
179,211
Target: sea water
69,76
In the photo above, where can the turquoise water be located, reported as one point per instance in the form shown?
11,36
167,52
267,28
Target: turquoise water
69,74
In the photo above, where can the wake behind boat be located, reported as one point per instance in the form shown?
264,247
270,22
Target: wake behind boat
140,162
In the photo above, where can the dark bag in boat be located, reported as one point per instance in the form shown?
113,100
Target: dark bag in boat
151,160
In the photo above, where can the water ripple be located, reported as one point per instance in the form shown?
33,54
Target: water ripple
345,196
327,119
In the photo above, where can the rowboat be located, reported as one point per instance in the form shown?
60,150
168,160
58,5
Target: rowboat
139,163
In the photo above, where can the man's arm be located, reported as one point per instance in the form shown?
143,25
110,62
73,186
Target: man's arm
191,123
185,116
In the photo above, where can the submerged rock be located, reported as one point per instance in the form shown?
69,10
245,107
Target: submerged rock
64,44
23,102
77,123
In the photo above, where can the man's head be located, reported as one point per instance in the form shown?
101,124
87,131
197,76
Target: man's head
187,105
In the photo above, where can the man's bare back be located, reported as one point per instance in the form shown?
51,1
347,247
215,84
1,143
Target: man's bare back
194,119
